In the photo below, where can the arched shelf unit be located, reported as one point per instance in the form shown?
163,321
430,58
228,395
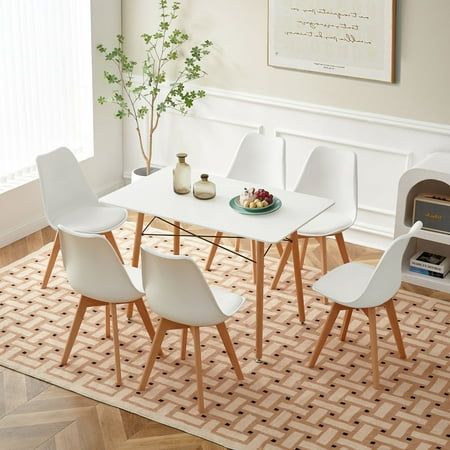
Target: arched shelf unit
432,175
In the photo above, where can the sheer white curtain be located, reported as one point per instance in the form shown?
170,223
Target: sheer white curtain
45,82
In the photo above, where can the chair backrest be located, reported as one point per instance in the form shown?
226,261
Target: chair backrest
387,277
94,269
63,185
261,160
176,290
332,173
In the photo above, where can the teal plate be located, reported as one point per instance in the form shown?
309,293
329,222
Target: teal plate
275,206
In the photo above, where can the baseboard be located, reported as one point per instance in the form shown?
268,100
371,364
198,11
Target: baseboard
22,231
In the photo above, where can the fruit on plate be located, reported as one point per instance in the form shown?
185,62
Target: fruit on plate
255,198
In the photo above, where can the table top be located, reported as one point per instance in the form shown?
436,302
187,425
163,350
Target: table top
154,195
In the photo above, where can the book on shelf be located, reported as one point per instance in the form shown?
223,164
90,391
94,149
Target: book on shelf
428,273
431,262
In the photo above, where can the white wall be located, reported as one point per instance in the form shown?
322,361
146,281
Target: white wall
389,126
20,209
239,31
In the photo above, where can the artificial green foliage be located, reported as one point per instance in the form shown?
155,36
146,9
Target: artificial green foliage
145,99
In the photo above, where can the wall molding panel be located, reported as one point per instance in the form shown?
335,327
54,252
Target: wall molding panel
397,122
344,142
257,128
386,146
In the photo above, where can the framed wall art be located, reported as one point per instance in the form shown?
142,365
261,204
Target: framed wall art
354,38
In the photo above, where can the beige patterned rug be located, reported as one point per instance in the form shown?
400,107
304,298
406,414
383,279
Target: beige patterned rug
281,403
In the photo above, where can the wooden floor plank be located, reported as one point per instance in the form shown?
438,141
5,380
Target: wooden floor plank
112,427
21,436
68,438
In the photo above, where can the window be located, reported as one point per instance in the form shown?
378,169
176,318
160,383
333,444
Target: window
46,83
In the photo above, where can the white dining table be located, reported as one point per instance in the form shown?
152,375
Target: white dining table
154,196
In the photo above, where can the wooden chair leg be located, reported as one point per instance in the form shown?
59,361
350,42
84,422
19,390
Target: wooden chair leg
184,333
281,265
130,311
116,344
51,260
280,249
156,347
221,327
374,347
198,368
323,255
335,308
212,252
113,243
107,321
342,248
145,318
237,244
347,318
303,251
390,309
75,328
143,312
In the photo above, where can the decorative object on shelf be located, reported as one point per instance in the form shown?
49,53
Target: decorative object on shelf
204,189
354,38
182,175
236,205
430,264
148,97
434,211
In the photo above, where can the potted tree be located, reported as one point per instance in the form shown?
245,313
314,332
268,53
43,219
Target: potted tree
148,96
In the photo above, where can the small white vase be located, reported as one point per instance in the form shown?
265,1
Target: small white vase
141,172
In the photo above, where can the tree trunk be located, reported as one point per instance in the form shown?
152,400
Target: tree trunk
148,160
150,144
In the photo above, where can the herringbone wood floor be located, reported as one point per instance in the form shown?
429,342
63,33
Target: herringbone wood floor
35,414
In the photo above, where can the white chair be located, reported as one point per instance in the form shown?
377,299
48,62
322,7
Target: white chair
259,160
360,286
329,173
69,201
96,272
178,292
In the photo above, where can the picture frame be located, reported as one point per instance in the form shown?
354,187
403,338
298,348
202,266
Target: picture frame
351,38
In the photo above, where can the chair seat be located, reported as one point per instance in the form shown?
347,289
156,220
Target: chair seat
92,219
346,283
227,301
135,275
326,224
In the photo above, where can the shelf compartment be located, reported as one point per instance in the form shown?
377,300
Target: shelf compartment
415,245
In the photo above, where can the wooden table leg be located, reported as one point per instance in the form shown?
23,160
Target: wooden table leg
298,277
137,240
254,257
136,252
259,298
176,238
